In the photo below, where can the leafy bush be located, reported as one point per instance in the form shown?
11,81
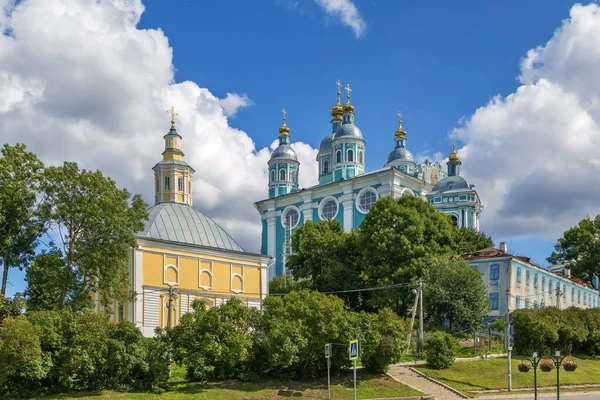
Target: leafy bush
215,343
22,363
384,338
439,350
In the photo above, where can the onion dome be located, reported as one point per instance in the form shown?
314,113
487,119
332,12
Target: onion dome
348,108
348,131
284,151
450,183
337,110
325,146
453,157
400,154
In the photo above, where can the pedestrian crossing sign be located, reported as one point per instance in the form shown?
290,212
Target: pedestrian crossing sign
327,351
353,349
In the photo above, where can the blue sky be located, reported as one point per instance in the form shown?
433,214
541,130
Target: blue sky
513,79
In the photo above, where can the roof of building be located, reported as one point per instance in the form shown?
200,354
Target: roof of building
183,224
400,154
348,131
325,146
284,152
450,183
492,252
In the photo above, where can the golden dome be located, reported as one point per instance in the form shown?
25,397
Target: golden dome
400,132
337,110
283,129
454,155
348,108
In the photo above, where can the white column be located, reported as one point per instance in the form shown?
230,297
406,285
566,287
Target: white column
172,185
271,236
307,211
138,270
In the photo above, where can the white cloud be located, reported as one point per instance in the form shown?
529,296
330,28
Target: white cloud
347,12
233,102
534,154
81,82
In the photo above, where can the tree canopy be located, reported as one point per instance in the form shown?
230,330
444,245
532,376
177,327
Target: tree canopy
21,207
580,248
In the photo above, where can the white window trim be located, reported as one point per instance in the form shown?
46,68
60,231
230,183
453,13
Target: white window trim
407,192
165,269
359,195
201,271
284,213
236,275
322,203
348,155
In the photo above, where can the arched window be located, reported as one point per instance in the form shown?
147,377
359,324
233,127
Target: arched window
350,155
454,220
338,157
293,176
326,167
282,175
360,157
272,176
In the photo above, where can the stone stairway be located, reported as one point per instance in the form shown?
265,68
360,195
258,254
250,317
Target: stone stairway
410,377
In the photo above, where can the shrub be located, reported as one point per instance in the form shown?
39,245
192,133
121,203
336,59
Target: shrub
384,339
22,364
215,343
439,350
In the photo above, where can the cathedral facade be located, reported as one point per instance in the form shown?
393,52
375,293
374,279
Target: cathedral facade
183,256
346,192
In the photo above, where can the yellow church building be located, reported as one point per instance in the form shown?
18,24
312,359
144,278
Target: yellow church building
183,248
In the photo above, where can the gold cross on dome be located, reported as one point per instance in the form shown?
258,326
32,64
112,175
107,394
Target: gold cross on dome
339,85
284,113
399,114
173,114
348,90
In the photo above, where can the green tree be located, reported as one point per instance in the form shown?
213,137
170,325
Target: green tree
397,239
382,338
467,240
97,223
580,248
11,307
22,219
455,293
328,257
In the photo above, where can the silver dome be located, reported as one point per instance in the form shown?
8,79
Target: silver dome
400,154
450,183
325,146
348,131
284,152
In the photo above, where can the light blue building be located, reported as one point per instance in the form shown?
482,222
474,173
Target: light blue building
514,282
346,192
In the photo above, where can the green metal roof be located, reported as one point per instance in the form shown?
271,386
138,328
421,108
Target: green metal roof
183,224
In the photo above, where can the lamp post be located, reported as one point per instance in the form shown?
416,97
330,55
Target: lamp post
557,359
534,363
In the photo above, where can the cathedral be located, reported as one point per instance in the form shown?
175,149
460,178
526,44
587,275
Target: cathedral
346,192
183,256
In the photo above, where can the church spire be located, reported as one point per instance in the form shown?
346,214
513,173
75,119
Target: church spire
453,161
172,175
284,131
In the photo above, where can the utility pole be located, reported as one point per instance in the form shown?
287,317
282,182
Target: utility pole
170,319
420,342
412,319
509,338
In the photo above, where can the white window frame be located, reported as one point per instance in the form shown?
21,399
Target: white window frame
322,203
284,213
359,195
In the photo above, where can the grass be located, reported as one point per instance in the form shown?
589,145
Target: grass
467,351
492,374
368,386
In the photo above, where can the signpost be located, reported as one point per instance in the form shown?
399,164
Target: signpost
328,357
353,357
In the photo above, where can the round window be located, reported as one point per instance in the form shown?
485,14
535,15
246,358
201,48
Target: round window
329,210
292,216
366,201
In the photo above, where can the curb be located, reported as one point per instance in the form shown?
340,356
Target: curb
406,398
456,392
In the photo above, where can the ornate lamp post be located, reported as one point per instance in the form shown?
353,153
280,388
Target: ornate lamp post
534,363
557,359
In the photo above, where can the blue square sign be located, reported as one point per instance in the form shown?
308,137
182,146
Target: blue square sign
327,351
353,349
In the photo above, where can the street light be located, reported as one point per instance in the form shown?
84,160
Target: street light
557,362
534,363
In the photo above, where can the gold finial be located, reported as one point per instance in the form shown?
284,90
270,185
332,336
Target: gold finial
173,114
337,110
284,130
400,132
454,155
348,108
587,216
348,91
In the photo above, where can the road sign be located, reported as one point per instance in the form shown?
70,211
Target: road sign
353,349
327,351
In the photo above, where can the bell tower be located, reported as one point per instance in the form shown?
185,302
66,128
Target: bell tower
173,176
